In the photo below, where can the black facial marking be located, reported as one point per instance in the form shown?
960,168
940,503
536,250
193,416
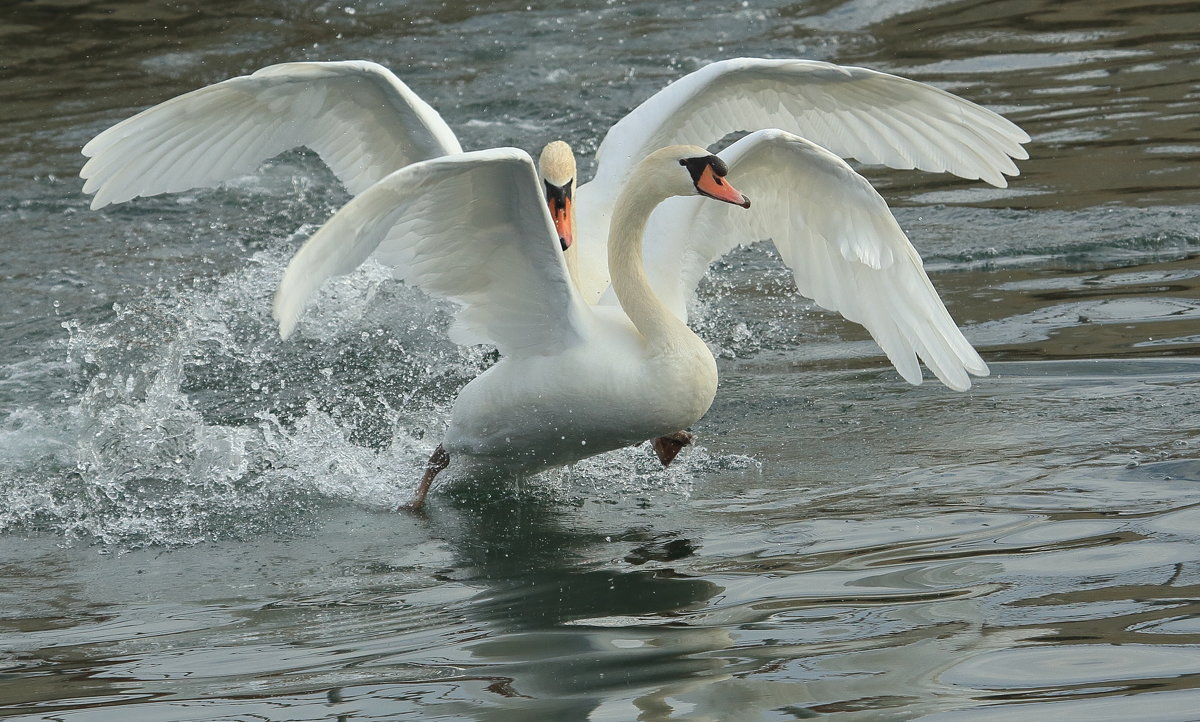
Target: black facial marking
557,197
696,166
559,194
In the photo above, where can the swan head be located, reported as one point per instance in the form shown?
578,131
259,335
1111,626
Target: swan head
557,168
688,170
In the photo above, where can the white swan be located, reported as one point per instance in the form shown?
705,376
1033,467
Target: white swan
556,165
577,379
574,380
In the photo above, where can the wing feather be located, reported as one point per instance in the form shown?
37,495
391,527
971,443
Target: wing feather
845,249
853,112
471,228
874,113
359,117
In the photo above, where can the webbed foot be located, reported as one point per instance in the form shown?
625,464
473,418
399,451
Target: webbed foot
668,447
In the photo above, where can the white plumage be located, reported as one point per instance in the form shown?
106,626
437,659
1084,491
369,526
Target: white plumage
359,117
834,232
574,379
873,117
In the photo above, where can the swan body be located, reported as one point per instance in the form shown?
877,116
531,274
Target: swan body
528,414
574,380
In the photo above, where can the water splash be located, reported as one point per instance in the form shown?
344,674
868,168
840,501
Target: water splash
186,419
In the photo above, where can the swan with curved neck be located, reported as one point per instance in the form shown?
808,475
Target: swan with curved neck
639,372
556,165
577,379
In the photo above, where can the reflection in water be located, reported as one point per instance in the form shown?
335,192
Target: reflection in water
1055,314
1108,89
565,632
1025,550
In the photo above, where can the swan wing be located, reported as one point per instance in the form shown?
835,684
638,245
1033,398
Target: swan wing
858,113
359,117
470,227
844,247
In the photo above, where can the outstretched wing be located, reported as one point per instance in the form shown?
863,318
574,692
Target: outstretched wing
844,247
469,227
858,113
359,117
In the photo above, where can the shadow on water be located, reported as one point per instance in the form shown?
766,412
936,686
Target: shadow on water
565,625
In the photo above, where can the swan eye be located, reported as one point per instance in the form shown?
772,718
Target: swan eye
696,166
708,177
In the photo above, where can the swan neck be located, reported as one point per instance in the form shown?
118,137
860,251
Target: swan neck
647,312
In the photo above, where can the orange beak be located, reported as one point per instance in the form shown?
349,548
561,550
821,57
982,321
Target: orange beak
715,186
560,213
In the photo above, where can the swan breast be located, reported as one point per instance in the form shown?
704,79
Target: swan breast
549,410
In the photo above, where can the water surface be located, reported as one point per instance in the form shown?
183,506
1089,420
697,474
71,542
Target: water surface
196,518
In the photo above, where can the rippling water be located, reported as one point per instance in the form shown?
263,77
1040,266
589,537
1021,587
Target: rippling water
195,517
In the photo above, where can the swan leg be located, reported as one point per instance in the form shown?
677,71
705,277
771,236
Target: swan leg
438,461
668,447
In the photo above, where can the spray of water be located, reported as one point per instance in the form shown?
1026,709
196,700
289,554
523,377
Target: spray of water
186,419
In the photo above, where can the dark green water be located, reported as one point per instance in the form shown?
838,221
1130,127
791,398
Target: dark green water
195,518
